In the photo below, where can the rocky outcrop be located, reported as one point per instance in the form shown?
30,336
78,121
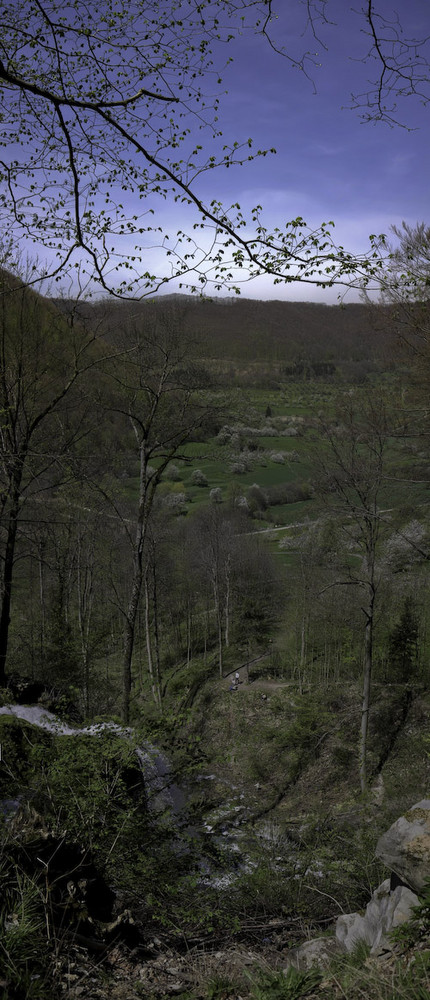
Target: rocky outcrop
405,849
386,910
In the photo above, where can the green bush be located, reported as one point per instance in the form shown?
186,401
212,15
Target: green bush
25,969
291,985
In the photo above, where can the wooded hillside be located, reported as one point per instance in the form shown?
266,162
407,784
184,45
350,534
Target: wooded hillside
244,332
214,527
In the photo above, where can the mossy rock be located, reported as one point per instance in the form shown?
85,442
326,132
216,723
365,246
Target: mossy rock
18,740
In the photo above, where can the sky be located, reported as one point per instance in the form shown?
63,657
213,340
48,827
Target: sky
330,164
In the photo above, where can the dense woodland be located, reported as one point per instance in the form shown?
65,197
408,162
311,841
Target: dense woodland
214,534
114,544
179,507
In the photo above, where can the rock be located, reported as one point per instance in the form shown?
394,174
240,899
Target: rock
405,847
399,910
350,930
319,951
385,911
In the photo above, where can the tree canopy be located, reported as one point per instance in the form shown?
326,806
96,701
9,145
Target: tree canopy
105,112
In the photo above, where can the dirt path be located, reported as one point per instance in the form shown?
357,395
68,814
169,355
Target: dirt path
239,680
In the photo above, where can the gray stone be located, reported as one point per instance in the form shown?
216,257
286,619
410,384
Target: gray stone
405,847
350,930
385,911
398,911
319,951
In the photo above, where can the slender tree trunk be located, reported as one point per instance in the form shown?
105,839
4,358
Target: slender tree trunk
207,627
42,601
302,654
129,630
148,639
219,624
156,639
9,558
136,589
85,604
365,705
189,621
227,603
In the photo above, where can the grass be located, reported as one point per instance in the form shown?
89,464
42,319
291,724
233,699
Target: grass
405,496
290,985
301,400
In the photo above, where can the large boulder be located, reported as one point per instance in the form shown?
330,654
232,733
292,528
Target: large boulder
405,847
386,910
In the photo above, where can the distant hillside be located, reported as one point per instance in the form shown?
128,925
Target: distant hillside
246,332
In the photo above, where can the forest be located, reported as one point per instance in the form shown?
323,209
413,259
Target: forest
221,551
214,534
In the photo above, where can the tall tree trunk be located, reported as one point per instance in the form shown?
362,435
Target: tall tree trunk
85,605
148,639
156,640
220,656
40,551
302,655
9,558
227,602
130,626
218,613
136,587
367,678
189,619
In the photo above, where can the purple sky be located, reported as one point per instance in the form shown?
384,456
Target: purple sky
329,163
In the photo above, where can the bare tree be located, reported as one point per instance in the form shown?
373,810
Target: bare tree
41,361
398,57
353,473
405,288
159,394
214,541
405,296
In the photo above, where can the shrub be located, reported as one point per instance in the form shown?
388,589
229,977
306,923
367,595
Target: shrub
402,551
177,502
172,473
224,435
198,478
243,463
290,985
23,959
257,498
281,493
236,441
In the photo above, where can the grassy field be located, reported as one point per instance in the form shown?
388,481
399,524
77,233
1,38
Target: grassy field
274,439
